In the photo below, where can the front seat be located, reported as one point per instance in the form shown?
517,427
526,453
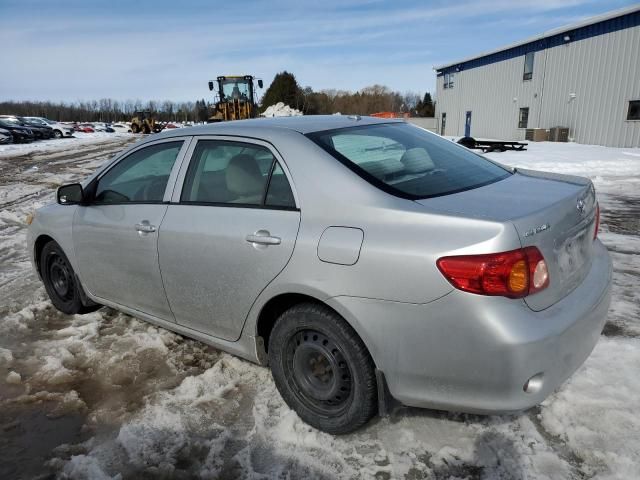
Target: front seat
244,180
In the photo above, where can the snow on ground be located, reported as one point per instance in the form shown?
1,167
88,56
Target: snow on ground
59,144
108,396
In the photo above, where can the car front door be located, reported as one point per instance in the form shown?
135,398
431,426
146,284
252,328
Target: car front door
227,233
115,236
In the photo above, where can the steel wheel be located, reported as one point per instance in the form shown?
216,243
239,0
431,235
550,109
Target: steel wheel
61,282
320,372
61,277
322,369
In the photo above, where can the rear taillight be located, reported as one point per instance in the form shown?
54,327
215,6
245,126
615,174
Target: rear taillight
513,274
595,232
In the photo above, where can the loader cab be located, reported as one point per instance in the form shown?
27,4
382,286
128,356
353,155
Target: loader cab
236,88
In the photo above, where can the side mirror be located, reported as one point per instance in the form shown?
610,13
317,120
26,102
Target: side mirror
71,194
210,85
260,82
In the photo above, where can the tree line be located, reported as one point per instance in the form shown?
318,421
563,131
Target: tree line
372,99
284,88
107,110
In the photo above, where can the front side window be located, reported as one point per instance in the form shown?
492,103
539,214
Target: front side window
141,177
634,110
407,161
236,173
528,66
523,117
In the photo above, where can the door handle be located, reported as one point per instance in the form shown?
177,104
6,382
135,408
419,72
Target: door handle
263,237
145,227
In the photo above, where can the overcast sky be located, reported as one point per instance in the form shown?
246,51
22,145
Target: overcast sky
71,50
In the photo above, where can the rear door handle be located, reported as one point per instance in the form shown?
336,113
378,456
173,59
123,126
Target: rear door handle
263,237
145,227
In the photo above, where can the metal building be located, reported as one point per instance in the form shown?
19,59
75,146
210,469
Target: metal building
584,76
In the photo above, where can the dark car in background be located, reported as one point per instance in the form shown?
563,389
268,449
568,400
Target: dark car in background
42,132
39,132
5,136
21,134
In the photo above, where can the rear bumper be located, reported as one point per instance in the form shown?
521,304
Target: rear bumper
470,353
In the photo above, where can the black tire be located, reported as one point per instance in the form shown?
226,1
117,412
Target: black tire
468,142
57,134
308,344
61,282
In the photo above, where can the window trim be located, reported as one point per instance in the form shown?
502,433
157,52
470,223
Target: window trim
176,197
92,186
362,173
629,111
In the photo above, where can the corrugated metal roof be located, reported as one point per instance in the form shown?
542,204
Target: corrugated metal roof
608,22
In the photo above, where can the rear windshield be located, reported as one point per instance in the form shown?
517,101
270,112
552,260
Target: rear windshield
408,161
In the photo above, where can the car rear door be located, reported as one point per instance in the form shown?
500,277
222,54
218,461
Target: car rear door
115,237
228,232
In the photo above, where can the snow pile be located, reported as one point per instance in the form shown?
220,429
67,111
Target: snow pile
280,110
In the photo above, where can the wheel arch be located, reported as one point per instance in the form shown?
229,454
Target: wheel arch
278,304
38,245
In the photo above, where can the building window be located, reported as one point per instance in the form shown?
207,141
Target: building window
528,66
634,110
443,123
448,80
523,119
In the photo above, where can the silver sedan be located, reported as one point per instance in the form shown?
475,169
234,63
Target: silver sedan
364,260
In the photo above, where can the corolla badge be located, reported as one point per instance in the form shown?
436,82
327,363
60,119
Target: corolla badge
535,230
580,205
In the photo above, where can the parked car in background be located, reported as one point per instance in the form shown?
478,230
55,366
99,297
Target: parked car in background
59,129
357,257
5,136
39,131
118,127
21,134
84,128
171,125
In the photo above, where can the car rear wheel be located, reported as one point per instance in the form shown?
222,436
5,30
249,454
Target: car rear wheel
61,283
57,134
322,369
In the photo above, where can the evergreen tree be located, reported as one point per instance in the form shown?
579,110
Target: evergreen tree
284,88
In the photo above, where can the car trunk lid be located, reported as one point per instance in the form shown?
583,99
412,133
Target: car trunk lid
555,213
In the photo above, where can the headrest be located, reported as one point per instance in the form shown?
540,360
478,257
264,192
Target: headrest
243,175
417,160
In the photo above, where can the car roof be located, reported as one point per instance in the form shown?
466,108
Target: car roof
302,124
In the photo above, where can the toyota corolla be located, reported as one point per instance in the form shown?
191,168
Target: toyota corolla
362,259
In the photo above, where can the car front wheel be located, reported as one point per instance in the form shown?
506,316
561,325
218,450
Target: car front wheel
57,134
322,369
61,283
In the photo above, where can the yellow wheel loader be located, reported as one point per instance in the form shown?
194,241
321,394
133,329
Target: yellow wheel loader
144,122
236,98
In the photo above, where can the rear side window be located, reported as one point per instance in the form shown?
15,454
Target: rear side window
407,161
235,173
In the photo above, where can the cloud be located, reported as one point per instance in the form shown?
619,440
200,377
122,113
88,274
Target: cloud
168,49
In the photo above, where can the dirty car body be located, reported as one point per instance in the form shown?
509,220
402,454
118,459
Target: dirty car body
472,287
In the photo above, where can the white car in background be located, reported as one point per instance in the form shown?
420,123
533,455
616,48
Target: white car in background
59,129
121,128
